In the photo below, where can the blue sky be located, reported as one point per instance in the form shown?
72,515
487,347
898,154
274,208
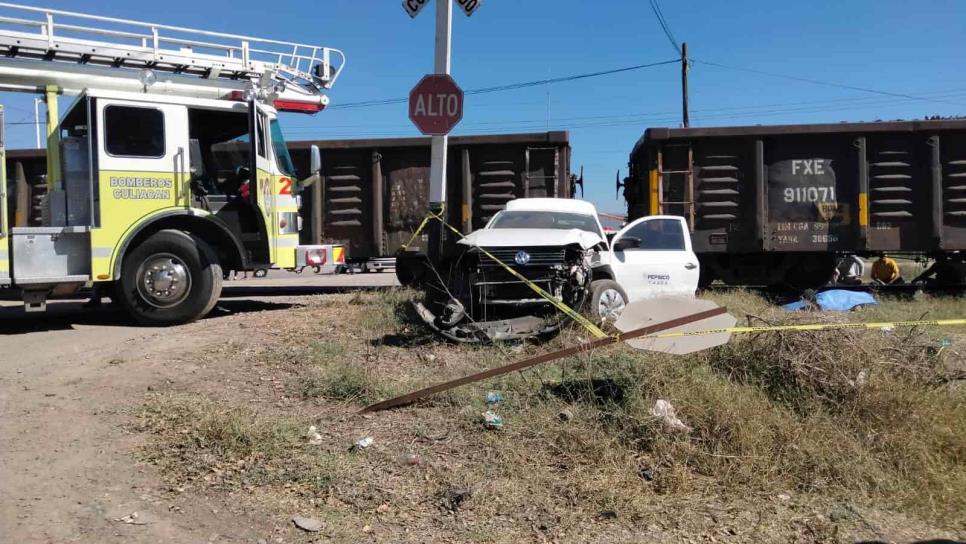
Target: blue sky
888,45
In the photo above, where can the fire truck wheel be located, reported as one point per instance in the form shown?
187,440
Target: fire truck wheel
172,277
607,300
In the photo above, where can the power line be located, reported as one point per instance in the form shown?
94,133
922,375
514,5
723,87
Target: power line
827,105
540,125
656,8
822,82
512,86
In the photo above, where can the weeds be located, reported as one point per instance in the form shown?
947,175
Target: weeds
322,350
337,382
868,417
842,413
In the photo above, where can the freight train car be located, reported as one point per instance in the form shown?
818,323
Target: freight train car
374,193
773,205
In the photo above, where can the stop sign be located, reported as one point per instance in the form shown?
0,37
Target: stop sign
436,104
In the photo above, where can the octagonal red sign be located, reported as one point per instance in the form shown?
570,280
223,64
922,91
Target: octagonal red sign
436,104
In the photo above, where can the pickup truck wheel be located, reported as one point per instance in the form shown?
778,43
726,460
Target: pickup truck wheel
170,278
607,300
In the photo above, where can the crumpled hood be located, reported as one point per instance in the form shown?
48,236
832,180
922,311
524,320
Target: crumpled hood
530,238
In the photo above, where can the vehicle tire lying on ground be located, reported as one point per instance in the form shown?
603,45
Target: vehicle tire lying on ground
172,277
607,300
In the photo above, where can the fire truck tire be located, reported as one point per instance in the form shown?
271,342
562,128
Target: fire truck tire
607,300
170,278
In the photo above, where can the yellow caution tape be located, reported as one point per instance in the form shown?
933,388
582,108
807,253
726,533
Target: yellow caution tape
817,327
429,215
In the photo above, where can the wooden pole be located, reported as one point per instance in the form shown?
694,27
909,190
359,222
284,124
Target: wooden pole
684,84
539,359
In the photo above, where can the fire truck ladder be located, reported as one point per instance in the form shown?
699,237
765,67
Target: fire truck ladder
687,204
78,51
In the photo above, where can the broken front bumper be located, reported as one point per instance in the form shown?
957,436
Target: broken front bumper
517,328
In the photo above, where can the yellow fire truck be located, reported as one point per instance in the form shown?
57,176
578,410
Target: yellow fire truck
168,168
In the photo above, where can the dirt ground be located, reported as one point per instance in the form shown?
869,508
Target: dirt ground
70,380
73,437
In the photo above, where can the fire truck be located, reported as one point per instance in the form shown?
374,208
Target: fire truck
167,169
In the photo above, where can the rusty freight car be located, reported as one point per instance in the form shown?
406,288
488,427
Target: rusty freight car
374,193
773,205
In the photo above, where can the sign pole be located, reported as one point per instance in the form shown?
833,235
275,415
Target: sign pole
437,170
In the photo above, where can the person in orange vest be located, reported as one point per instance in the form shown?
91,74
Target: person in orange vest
885,270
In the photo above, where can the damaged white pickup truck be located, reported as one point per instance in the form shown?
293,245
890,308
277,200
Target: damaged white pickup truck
559,245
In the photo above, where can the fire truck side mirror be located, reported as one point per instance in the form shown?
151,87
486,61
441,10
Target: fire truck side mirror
315,160
195,160
315,168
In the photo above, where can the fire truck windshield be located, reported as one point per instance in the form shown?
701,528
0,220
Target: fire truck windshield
282,157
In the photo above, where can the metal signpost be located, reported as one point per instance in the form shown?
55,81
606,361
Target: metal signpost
436,103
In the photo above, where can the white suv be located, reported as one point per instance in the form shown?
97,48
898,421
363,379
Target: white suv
649,257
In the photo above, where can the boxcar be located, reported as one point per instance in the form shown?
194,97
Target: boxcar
374,193
775,204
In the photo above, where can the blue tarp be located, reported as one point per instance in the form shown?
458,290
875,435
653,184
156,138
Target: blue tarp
835,300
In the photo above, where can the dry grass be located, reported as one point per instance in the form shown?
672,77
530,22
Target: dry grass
868,420
229,448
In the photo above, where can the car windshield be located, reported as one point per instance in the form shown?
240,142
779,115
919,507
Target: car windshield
543,219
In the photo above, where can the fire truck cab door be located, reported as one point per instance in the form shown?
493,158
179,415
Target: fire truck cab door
261,180
140,169
142,160
4,221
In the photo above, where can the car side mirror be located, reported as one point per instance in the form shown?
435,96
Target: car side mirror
627,242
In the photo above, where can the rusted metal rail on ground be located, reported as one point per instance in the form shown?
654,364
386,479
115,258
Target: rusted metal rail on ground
540,359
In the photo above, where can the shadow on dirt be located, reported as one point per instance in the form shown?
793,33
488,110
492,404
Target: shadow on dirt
936,541
599,391
66,315
295,290
405,340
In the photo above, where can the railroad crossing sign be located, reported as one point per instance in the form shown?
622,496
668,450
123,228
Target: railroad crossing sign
413,7
436,104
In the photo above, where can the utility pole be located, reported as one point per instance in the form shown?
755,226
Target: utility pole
684,84
548,100
437,170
